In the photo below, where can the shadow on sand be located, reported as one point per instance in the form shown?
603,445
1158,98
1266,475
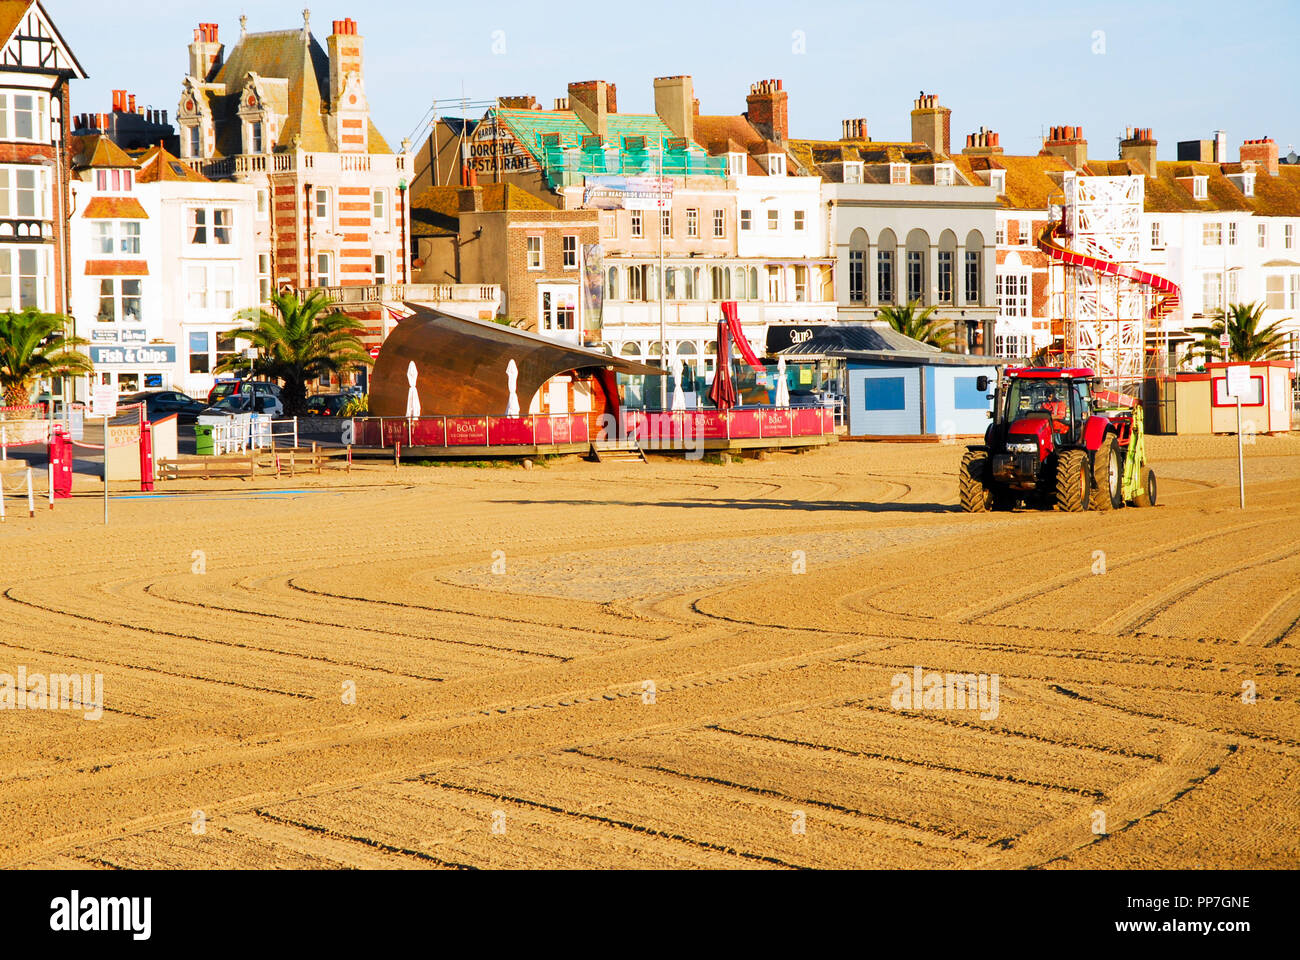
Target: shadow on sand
807,506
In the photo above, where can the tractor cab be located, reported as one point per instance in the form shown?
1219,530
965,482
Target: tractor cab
1052,406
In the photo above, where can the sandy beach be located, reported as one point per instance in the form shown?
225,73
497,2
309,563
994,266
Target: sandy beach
655,666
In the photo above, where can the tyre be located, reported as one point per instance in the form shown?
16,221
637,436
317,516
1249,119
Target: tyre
1072,482
976,494
1107,476
1147,498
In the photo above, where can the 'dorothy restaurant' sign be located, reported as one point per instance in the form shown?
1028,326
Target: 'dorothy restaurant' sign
132,356
492,147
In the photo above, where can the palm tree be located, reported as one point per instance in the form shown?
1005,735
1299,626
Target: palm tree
918,324
296,343
33,346
1248,341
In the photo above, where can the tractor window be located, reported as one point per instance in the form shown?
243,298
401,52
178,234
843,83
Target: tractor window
1027,397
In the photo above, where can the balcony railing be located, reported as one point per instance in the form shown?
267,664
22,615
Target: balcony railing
416,293
250,164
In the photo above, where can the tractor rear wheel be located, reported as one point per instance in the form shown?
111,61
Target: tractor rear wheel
976,495
1147,496
1107,476
1072,475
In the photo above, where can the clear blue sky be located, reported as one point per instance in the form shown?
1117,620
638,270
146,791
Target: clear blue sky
1183,67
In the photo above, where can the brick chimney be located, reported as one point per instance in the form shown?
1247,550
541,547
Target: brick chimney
1262,152
471,200
1069,144
675,103
932,124
593,101
1140,147
517,103
206,52
854,129
769,110
985,143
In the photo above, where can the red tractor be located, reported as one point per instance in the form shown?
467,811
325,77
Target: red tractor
1058,439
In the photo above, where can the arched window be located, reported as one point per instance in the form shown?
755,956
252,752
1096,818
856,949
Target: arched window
753,283
740,282
886,267
858,267
691,273
946,279
721,278
611,288
635,284
632,350
670,283
918,276
974,269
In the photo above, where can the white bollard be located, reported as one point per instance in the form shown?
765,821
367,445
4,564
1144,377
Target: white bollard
4,444
31,499
2,498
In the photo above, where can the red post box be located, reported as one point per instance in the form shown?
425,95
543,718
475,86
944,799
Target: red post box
146,458
60,450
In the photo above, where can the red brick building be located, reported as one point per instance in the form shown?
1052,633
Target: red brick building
35,69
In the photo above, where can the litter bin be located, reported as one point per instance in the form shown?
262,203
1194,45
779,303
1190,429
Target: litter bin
204,445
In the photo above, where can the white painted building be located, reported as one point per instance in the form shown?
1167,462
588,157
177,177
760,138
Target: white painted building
163,262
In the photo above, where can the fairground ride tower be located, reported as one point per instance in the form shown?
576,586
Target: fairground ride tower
1113,310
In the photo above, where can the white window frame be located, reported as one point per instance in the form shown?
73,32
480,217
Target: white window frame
263,203
719,224
534,252
1212,233
117,294
693,223
800,220
1157,235
40,121
322,199
774,220
265,287
381,269
1288,236
11,194
379,209
569,251
323,277
638,225
13,279
746,221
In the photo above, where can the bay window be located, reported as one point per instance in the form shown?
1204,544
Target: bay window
24,276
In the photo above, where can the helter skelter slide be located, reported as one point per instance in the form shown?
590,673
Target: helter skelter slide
1109,322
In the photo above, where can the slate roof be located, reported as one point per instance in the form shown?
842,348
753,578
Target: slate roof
295,78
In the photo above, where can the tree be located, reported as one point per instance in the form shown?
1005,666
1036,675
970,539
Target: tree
1248,340
33,346
919,324
297,342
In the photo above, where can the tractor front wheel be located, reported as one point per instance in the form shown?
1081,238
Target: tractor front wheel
1072,487
976,495
1147,496
1107,476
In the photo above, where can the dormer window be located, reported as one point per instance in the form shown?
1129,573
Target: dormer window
944,175
899,174
114,181
998,181
255,139
194,142
853,171
1200,187
775,165
736,164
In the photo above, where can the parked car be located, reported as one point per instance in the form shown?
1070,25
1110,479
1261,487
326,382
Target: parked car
328,405
245,403
230,388
161,404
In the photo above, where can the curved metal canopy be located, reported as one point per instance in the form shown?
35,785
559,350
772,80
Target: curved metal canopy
462,365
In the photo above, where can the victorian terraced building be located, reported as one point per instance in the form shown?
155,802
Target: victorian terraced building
291,118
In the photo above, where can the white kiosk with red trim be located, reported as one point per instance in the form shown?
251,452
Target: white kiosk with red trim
1266,409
